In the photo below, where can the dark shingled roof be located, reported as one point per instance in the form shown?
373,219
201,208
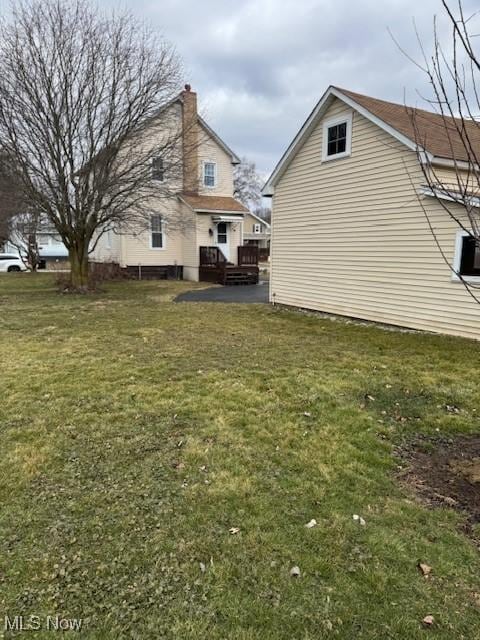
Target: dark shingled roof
436,134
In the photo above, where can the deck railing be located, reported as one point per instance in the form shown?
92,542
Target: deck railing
248,255
211,257
214,267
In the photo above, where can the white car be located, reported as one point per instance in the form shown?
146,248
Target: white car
10,263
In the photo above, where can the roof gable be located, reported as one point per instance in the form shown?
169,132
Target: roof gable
254,215
206,127
233,156
393,118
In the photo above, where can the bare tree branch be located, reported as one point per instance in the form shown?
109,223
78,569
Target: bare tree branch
452,177
85,106
247,184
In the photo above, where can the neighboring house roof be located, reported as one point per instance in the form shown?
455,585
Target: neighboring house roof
437,136
234,158
213,203
267,224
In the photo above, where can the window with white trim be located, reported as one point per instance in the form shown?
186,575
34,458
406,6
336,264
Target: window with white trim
257,228
157,168
337,138
156,228
209,174
467,256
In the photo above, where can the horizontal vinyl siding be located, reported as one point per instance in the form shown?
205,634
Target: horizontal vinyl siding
350,237
210,151
137,249
104,253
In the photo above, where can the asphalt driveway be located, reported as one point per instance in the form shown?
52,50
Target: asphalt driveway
257,293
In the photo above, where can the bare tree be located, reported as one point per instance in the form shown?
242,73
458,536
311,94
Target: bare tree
453,73
247,184
11,199
83,119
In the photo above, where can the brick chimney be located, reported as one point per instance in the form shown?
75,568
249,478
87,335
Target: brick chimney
190,141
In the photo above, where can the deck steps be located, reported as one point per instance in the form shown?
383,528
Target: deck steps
236,277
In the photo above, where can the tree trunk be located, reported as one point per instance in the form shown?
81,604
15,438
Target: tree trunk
78,257
32,252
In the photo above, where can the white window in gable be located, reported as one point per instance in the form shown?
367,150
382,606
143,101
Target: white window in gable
156,231
337,138
257,228
209,174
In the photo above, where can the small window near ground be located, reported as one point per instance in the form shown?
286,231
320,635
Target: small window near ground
157,231
209,171
470,256
157,168
257,228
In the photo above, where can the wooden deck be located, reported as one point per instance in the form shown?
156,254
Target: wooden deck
215,268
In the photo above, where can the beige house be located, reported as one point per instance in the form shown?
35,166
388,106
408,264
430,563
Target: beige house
256,231
351,219
197,231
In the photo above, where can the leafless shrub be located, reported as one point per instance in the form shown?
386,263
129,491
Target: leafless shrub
104,271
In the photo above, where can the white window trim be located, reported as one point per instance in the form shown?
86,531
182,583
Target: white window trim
151,232
331,122
457,260
257,228
214,185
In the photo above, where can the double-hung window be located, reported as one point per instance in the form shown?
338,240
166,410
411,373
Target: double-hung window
337,138
209,174
257,228
156,229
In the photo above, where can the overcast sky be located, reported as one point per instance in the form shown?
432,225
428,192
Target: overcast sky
259,66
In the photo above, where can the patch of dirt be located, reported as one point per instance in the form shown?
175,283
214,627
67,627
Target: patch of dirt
445,472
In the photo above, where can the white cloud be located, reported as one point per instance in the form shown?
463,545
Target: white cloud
260,66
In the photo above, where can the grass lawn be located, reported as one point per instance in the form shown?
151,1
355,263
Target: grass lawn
135,433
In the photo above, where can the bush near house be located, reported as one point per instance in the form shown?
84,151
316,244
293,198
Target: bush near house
160,462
